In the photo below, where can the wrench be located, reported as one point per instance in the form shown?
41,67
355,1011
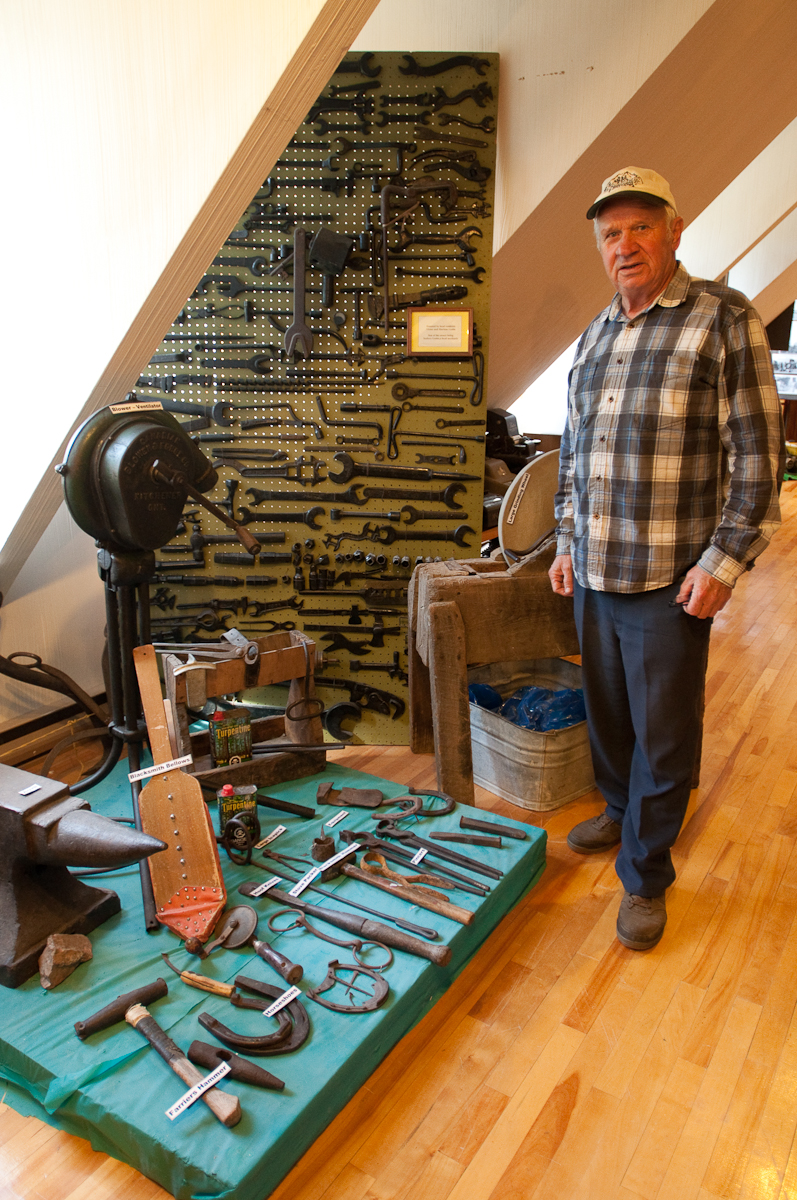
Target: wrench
299,332
350,496
421,118
487,125
414,514
475,275
401,392
441,424
477,379
349,468
461,239
258,266
359,66
445,64
260,364
452,408
272,606
307,518
447,495
386,535
463,457
437,460
338,514
480,95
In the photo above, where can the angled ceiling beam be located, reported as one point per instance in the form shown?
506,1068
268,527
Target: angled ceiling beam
713,105
767,273
749,209
324,44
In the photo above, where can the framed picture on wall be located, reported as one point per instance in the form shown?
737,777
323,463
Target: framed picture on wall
440,332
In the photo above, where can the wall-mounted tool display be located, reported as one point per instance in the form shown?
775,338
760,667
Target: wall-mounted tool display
376,219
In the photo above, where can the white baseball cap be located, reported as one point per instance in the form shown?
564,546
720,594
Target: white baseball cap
633,181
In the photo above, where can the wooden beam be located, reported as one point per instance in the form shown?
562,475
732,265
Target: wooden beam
714,104
319,52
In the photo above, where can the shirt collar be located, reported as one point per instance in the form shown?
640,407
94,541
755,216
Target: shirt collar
674,294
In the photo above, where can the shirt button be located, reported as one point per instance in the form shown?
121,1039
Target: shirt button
603,439
619,360
611,399
598,478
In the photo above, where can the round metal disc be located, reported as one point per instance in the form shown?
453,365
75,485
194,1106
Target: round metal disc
526,517
236,927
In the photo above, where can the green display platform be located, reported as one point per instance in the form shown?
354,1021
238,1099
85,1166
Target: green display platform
113,1089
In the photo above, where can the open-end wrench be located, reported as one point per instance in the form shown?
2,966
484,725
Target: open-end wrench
306,518
359,66
487,125
349,468
447,495
340,514
414,514
260,364
401,392
299,332
445,64
257,265
475,275
441,424
272,606
350,496
386,535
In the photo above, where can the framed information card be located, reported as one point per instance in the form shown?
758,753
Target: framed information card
440,332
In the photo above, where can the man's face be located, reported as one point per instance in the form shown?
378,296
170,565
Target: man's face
637,247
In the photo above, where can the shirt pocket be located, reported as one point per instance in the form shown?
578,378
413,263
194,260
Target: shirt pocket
580,387
677,394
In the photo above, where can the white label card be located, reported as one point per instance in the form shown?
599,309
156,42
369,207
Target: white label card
137,406
341,854
344,812
197,1090
282,1000
419,856
275,833
305,881
161,768
262,888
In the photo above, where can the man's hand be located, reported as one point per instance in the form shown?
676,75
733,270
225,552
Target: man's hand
561,575
701,594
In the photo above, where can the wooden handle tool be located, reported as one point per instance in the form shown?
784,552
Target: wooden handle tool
423,897
224,1106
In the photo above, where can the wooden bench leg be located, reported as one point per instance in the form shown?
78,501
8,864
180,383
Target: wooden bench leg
421,731
450,710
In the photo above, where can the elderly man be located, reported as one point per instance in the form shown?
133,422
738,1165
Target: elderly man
668,491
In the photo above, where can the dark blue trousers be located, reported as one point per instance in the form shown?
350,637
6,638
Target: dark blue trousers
643,669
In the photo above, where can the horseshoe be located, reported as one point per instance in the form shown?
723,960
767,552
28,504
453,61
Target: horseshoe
294,1023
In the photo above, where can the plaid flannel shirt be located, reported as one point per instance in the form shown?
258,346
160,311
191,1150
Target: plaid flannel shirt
670,456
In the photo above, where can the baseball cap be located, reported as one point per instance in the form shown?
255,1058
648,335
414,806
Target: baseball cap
633,181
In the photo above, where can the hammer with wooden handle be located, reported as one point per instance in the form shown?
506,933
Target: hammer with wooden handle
224,1106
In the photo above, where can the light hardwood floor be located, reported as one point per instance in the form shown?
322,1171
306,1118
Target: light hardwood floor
561,1065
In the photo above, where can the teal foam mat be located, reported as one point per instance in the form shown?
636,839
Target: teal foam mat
113,1089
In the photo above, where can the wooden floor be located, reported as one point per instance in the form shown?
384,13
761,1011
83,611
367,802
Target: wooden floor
561,1065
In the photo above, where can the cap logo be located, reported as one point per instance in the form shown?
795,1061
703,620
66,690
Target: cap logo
623,179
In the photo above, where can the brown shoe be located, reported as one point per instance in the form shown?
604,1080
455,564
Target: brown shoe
641,921
596,834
